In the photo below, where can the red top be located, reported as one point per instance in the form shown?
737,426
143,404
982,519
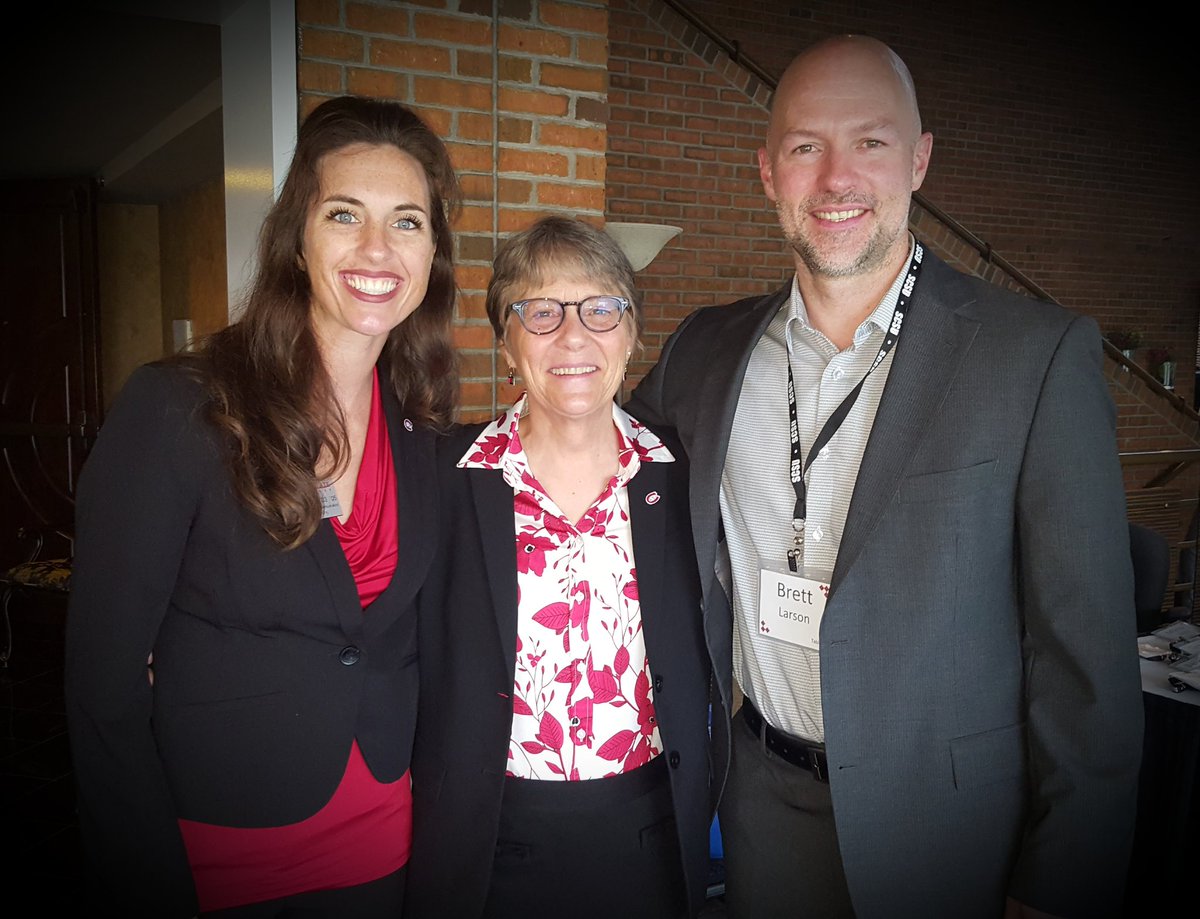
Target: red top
363,833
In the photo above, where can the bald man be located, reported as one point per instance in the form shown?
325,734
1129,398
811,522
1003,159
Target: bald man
906,493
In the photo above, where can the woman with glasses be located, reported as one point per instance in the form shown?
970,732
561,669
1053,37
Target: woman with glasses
561,760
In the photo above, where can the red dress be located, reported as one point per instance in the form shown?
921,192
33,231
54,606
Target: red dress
363,833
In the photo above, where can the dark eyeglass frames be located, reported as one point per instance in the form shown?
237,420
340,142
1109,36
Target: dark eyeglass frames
543,316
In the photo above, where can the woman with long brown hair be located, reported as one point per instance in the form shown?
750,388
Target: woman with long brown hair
253,516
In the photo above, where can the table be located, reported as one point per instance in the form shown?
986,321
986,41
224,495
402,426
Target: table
1166,845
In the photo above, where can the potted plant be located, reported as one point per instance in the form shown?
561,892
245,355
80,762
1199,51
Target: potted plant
1162,365
1126,340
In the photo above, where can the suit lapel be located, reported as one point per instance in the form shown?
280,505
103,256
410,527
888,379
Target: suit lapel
493,499
649,496
326,552
928,356
413,460
717,397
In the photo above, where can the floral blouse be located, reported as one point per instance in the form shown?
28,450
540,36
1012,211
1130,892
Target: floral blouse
583,707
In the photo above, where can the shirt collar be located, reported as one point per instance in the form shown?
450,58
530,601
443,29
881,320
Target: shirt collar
880,317
500,441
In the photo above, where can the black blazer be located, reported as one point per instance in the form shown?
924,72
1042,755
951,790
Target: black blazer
468,628
265,665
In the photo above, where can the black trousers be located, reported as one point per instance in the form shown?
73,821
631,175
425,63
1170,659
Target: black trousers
781,848
597,848
381,899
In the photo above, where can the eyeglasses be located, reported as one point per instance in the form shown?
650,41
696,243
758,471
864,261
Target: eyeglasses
543,316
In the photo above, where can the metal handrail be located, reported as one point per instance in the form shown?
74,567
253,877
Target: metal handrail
985,250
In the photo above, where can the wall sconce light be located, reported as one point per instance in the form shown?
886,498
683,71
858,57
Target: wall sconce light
641,242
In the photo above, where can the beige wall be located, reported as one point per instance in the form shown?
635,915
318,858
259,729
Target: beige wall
192,246
130,292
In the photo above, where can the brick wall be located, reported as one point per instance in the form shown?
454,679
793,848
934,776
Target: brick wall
518,93
682,137
1043,148
1059,138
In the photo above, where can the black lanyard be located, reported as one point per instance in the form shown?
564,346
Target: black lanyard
797,470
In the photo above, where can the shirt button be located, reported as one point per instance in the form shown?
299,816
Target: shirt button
837,373
349,655
673,759
824,451
658,684
817,534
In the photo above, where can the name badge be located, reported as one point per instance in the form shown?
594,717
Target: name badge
330,505
790,607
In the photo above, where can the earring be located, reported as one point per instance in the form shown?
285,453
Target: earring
625,370
512,375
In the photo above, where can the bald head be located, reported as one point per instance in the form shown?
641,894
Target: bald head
840,64
844,154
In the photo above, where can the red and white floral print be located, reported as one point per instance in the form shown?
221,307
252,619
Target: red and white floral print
583,707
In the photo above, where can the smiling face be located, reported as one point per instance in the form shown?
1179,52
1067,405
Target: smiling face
844,154
570,374
368,244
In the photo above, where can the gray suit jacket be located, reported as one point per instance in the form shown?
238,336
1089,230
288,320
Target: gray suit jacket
981,694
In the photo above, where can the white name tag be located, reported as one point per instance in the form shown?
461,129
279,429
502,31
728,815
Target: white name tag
330,505
790,607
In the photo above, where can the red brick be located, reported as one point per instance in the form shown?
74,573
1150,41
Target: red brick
455,30
308,102
474,126
383,20
590,168
317,77
565,135
473,336
534,103
453,93
476,187
584,197
409,56
515,191
534,41
474,248
473,277
339,46
516,130
583,79
476,395
574,18
591,50
473,219
438,120
533,162
512,69
318,12
470,157
513,221
473,64
381,83
593,110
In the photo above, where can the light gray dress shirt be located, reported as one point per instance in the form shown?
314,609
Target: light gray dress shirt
757,497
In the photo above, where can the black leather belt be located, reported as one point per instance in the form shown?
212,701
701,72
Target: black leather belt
798,752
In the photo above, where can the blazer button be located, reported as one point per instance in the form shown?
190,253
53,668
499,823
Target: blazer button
673,759
349,655
658,684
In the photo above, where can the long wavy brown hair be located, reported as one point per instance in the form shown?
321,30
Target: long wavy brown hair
270,392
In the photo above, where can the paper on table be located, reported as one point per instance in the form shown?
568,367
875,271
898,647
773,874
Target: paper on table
1178,631
1153,649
